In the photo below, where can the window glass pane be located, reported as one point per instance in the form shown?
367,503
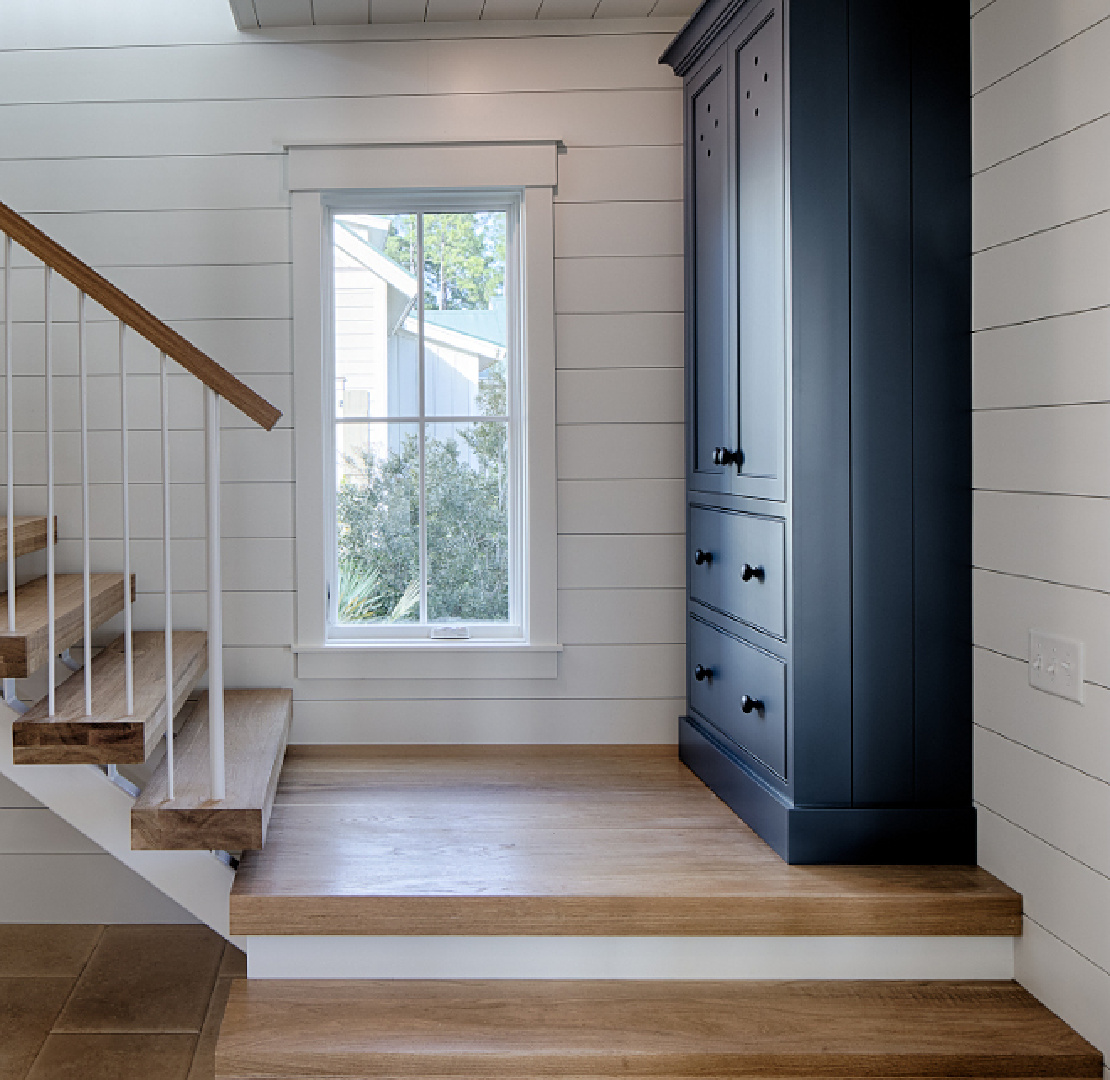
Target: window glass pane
467,503
376,318
466,326
378,527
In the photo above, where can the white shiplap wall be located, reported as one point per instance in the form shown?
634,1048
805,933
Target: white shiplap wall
148,139
1041,149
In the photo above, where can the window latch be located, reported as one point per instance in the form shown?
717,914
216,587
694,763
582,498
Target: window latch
452,632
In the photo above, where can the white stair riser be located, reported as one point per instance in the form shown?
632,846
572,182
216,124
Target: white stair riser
451,957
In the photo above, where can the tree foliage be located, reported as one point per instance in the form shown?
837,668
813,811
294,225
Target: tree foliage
464,257
466,499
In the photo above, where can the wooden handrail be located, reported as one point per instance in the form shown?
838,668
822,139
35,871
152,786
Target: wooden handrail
138,318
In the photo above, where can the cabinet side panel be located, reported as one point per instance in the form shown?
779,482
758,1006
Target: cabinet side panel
942,403
821,675
882,404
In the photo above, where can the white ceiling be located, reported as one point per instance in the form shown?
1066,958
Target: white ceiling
255,14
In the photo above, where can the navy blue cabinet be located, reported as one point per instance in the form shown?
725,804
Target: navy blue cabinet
828,423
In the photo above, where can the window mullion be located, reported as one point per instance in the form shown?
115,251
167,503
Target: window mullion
423,427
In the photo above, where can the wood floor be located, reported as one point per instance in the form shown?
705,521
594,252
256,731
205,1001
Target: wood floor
635,1029
583,841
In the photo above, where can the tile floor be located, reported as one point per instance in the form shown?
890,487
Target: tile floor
112,1002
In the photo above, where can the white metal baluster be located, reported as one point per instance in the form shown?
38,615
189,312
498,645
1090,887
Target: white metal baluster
215,597
8,320
167,569
125,480
51,650
83,364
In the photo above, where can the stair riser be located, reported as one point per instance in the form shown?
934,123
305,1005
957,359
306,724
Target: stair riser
666,958
30,535
79,744
197,830
22,655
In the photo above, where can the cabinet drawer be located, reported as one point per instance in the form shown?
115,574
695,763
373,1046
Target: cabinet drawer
733,672
733,544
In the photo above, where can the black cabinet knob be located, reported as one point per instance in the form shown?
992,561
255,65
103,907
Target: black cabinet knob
723,456
701,673
750,704
702,557
749,572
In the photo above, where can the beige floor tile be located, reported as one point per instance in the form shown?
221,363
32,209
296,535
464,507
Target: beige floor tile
114,1057
45,950
27,1010
145,979
204,1060
234,964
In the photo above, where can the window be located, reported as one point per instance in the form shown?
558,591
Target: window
425,353
424,391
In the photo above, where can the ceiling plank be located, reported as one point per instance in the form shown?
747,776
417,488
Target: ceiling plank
675,9
623,9
453,10
341,12
567,9
510,9
397,11
274,13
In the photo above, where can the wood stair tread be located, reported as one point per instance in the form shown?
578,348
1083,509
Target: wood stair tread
110,736
30,535
569,1028
620,841
256,729
25,650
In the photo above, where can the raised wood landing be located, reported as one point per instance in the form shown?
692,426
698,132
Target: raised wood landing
26,650
256,727
571,841
661,1029
30,535
110,736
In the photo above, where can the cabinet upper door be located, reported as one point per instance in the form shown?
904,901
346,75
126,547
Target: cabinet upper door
711,419
760,255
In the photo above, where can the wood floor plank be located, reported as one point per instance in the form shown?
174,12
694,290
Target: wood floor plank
30,535
256,727
27,649
461,1028
110,736
575,840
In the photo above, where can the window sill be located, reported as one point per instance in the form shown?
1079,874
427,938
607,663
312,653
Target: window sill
427,660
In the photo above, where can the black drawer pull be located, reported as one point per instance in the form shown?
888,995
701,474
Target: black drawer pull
723,456
702,557
749,572
750,704
701,673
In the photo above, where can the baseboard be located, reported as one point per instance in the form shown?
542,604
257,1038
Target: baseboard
818,835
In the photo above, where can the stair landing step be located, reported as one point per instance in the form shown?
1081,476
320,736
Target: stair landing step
562,841
256,729
508,1028
30,535
110,736
27,649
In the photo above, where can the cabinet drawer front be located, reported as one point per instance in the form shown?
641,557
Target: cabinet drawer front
733,670
730,541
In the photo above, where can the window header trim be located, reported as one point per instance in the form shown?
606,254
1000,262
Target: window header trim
423,165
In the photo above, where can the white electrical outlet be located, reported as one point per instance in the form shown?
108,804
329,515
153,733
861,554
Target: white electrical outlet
1056,665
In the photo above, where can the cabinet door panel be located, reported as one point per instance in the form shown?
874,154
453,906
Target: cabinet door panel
710,389
760,260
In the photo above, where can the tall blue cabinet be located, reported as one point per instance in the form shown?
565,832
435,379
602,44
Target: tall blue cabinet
828,423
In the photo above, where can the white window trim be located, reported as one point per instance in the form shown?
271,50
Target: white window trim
318,177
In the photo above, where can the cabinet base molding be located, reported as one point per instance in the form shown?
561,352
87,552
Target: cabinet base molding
815,835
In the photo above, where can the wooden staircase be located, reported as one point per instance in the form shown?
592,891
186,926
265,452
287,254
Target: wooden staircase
257,720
